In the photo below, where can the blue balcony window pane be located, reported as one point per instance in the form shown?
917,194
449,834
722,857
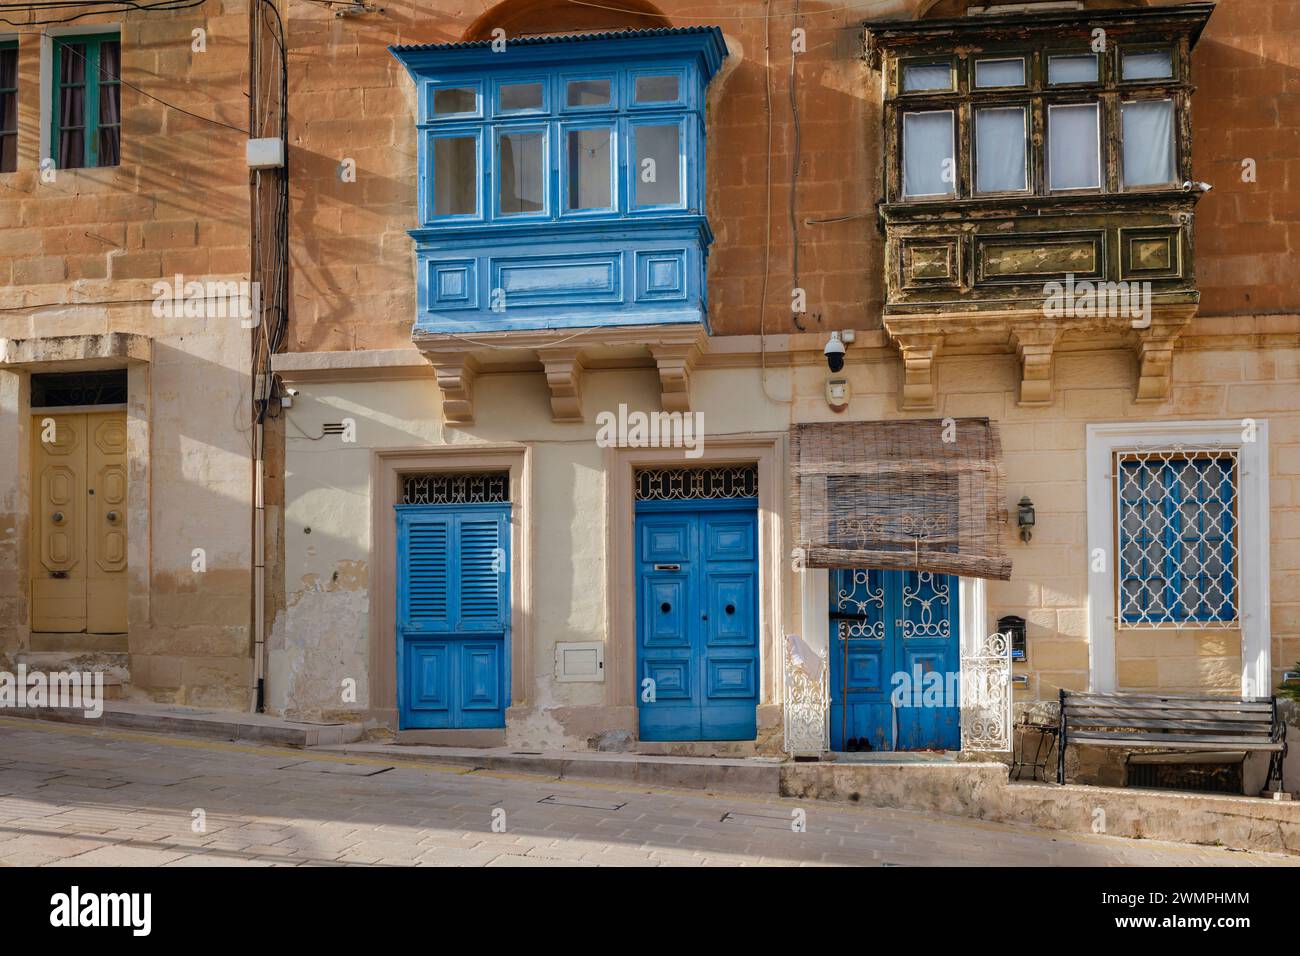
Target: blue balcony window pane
587,93
656,89
453,100
658,179
521,96
455,176
589,169
522,162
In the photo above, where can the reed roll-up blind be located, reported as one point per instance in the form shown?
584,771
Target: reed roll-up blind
917,494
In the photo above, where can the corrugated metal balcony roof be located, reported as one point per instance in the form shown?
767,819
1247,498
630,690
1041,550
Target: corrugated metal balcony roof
549,38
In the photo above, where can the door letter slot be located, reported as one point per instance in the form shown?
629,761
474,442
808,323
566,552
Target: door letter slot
668,567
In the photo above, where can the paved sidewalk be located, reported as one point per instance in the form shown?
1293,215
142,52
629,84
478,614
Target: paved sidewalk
76,795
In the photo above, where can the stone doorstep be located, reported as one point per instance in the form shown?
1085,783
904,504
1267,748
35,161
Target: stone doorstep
757,775
982,791
198,722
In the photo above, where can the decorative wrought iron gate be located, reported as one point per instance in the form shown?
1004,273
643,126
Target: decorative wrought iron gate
807,699
986,695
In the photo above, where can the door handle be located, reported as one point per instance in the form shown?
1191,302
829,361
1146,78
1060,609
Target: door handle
57,517
112,517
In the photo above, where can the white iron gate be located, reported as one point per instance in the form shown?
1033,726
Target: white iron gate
806,698
986,695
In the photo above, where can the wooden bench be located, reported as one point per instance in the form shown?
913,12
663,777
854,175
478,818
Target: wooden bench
1171,722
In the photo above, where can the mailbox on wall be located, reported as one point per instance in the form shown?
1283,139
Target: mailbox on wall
1015,626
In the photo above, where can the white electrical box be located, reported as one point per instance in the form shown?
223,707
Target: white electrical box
580,661
265,153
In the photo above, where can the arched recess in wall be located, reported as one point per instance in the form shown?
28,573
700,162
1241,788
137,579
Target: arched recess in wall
938,9
535,17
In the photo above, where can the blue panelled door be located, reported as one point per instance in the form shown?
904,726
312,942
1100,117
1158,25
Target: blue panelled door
453,615
895,661
697,619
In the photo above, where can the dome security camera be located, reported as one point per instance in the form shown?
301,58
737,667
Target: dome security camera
834,352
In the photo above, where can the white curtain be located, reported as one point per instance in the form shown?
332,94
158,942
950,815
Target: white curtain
1154,65
927,143
1072,69
927,76
1010,72
1148,142
1000,149
1073,150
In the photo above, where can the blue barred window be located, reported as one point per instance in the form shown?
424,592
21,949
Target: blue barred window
1177,539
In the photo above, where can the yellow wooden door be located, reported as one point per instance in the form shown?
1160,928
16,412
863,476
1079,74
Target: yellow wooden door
106,523
58,523
79,522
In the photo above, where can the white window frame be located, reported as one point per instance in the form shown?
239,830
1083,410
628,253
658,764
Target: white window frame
1104,440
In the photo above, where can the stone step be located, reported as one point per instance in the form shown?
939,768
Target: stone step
760,775
83,643
197,722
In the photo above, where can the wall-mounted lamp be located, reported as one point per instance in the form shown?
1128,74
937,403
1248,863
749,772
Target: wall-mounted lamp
1025,518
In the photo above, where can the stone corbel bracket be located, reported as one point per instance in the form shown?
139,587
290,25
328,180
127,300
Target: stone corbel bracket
455,373
1034,345
675,361
1154,346
563,368
919,350
1035,337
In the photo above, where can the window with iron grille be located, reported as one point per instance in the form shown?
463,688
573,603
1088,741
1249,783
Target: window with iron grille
452,488
1177,537
676,484
58,389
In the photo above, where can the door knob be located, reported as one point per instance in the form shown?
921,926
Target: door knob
57,517
731,609
665,607
704,616
112,516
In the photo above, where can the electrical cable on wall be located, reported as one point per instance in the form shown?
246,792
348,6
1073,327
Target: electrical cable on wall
96,7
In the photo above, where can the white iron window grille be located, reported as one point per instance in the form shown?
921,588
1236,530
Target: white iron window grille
859,599
442,488
677,484
1177,519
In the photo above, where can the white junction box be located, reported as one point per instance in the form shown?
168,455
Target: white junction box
265,153
580,661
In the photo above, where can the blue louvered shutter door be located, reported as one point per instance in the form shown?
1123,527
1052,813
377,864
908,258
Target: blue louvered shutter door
427,577
482,580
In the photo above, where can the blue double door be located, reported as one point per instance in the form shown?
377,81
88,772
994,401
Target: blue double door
453,615
895,663
697,620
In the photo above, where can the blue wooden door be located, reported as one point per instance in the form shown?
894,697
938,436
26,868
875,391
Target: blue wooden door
453,615
895,661
697,620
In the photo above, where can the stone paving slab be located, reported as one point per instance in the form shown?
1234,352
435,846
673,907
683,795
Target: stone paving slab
258,814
